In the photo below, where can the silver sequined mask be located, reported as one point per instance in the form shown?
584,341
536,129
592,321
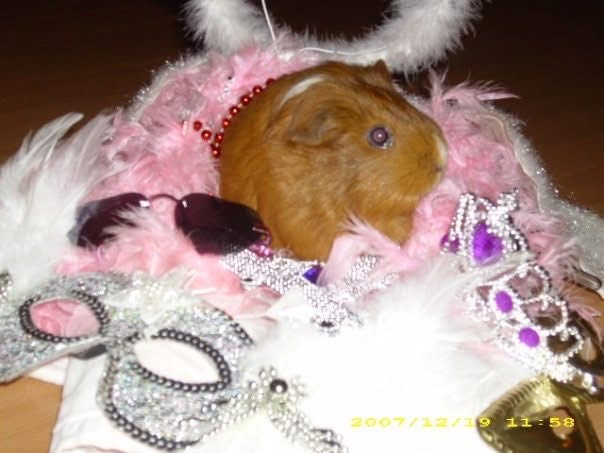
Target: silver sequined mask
162,412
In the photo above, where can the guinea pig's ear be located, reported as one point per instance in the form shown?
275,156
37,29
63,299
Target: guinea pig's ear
378,75
308,124
306,120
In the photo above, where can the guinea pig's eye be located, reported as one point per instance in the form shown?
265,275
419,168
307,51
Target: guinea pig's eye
380,137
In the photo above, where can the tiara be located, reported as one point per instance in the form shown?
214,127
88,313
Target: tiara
164,413
526,316
483,232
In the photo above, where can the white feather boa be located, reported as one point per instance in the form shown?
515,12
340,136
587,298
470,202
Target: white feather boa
418,34
585,226
41,186
417,356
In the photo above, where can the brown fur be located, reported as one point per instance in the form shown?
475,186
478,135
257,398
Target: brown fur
305,165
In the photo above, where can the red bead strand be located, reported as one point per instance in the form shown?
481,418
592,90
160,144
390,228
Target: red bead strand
215,139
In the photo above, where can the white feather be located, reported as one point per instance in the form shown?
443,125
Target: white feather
41,186
226,25
419,33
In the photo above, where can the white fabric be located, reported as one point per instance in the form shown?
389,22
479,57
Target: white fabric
55,372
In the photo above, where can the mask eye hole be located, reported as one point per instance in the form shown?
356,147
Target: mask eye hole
380,137
186,363
220,374
64,318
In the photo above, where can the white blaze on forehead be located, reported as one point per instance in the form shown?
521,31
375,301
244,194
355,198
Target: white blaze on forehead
301,87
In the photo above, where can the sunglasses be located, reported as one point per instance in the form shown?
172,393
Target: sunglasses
213,225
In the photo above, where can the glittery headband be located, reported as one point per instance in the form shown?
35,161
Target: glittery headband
164,413
331,303
527,317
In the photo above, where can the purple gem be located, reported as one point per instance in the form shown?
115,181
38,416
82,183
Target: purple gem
448,245
504,301
486,247
529,337
312,274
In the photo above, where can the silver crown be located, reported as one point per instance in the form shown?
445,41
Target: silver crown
527,317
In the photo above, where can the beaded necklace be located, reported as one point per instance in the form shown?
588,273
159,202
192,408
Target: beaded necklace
215,138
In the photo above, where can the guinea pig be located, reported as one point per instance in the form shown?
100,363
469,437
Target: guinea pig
327,143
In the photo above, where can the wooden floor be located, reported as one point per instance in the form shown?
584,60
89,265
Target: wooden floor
72,55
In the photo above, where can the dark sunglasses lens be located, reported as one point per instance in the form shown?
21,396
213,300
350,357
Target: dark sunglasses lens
94,217
219,226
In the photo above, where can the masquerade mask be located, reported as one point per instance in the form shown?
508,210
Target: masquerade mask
162,412
212,224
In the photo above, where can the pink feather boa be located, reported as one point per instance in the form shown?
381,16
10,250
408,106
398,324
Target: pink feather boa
166,155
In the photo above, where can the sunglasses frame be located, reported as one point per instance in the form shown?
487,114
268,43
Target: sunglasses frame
212,224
